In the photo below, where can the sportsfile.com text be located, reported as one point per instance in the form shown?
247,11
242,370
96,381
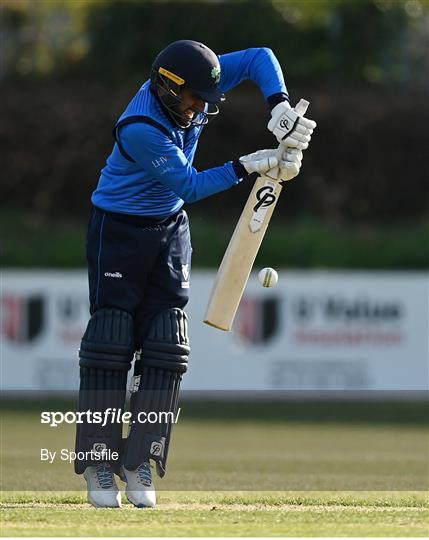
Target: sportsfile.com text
108,416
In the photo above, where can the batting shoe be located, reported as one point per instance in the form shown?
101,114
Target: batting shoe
140,490
102,489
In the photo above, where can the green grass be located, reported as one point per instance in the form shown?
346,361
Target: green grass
231,476
34,241
220,514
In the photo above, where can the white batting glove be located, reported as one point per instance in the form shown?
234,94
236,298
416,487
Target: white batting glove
288,167
289,128
290,164
260,161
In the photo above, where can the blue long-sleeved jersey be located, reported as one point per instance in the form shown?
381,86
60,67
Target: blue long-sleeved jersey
150,172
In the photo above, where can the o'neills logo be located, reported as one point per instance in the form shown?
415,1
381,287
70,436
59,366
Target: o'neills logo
113,274
22,317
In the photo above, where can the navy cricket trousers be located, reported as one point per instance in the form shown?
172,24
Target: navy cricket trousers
139,265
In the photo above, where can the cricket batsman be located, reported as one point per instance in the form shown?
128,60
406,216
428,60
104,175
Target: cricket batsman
139,253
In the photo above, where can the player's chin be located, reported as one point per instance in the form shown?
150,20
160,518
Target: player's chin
188,116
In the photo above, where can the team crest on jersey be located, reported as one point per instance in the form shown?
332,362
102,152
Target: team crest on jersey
216,74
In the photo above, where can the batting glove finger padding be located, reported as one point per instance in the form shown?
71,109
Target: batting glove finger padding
289,128
288,171
260,161
292,155
289,165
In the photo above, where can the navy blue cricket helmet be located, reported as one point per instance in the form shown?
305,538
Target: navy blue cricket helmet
187,64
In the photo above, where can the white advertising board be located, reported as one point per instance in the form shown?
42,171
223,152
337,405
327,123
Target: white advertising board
314,331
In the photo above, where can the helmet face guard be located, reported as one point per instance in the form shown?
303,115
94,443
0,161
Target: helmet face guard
191,65
169,93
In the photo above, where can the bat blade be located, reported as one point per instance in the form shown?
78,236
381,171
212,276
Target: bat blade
243,248
241,253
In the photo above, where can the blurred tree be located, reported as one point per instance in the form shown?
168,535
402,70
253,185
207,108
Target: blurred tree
39,37
380,41
332,40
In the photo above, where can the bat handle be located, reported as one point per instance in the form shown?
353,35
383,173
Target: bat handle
301,107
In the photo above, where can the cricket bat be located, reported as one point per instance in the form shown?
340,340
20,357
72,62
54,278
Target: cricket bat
243,247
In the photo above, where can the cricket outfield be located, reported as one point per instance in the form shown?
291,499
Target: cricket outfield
238,474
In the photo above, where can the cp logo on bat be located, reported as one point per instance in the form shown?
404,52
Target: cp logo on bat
265,197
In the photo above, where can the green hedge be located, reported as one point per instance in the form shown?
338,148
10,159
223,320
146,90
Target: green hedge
306,243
